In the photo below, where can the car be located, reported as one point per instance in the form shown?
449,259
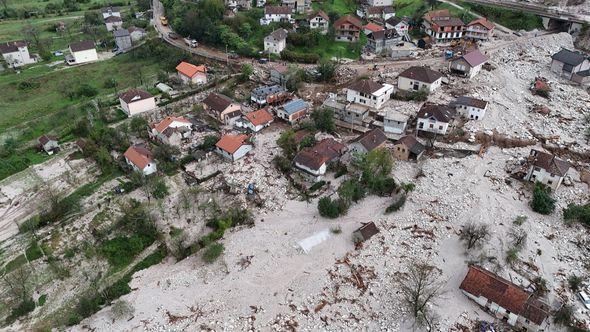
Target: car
58,53
263,60
173,35
585,298
163,20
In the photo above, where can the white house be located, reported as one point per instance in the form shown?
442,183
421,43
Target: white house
233,147
110,11
400,24
419,78
113,23
48,143
434,118
319,21
470,108
374,3
16,53
314,161
82,52
276,42
140,159
191,74
136,33
136,101
257,120
276,14
505,300
394,122
369,93
172,130
546,168
469,64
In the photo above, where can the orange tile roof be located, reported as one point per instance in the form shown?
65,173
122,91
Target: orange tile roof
160,127
139,156
260,117
231,143
483,22
190,70
373,27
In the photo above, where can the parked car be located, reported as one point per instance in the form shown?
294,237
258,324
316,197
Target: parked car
190,42
585,298
163,20
263,60
173,35
58,53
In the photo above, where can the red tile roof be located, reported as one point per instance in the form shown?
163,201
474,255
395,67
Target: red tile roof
162,125
231,143
324,151
373,27
483,22
353,20
139,155
190,70
260,117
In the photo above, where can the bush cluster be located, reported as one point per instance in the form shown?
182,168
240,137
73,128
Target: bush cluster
542,201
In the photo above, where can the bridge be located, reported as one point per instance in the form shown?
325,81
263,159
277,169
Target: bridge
553,18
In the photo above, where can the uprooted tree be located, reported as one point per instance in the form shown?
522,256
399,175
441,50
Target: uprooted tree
420,287
474,235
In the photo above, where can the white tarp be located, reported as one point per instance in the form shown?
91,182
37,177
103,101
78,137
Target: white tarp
309,242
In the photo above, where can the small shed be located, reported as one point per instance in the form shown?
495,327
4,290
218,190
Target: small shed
48,143
365,232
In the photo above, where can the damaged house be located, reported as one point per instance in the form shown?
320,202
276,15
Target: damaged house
172,130
435,118
468,65
546,168
233,147
470,108
293,111
314,161
369,141
269,94
408,148
382,41
369,93
572,65
222,108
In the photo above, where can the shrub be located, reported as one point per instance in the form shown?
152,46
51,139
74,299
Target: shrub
283,164
579,213
574,282
407,187
520,220
209,142
329,208
212,252
542,201
299,57
22,309
317,186
351,191
323,120
33,252
512,256
563,316
395,206
540,286
42,299
160,190
336,230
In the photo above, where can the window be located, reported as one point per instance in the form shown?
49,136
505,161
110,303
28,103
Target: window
431,125
440,127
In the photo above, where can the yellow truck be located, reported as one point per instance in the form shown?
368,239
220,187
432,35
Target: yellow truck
163,20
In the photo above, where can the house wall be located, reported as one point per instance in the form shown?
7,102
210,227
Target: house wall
401,152
393,126
199,78
295,117
380,2
406,84
240,152
113,25
49,146
537,174
136,36
350,116
318,22
107,14
357,147
19,58
85,56
258,128
317,172
223,117
138,106
557,67
274,46
375,101
470,112
149,168
432,126
277,17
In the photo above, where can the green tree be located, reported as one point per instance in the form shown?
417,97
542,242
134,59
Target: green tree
329,208
326,70
323,120
288,143
247,70
542,201
159,190
351,191
375,168
213,251
139,126
245,29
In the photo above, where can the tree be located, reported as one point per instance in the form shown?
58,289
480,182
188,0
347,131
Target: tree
332,209
351,191
517,238
579,213
4,4
92,18
208,142
32,34
247,70
139,126
474,235
419,288
542,201
375,168
213,251
326,70
288,143
323,120
17,283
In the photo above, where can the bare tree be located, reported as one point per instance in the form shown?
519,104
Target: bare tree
518,238
419,288
474,235
32,34
17,283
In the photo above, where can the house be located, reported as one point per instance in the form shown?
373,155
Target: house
233,147
48,143
470,108
407,148
372,27
347,28
113,22
368,141
400,24
222,108
394,122
468,65
370,93
136,101
293,111
122,39
442,27
276,41
434,118
82,52
302,6
276,14
191,74
375,3
479,30
352,114
319,20
269,94
505,300
136,33
257,120
572,65
365,232
16,53
419,78
172,130
110,11
546,168
140,159
314,161
279,74
379,42
378,12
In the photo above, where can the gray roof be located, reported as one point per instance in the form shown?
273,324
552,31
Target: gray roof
295,106
278,34
82,46
121,33
264,91
475,58
569,57
470,101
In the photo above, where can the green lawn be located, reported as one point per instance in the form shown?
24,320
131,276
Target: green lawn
40,4
342,7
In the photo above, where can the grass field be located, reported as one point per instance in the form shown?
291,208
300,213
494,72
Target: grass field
342,7
328,48
40,4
